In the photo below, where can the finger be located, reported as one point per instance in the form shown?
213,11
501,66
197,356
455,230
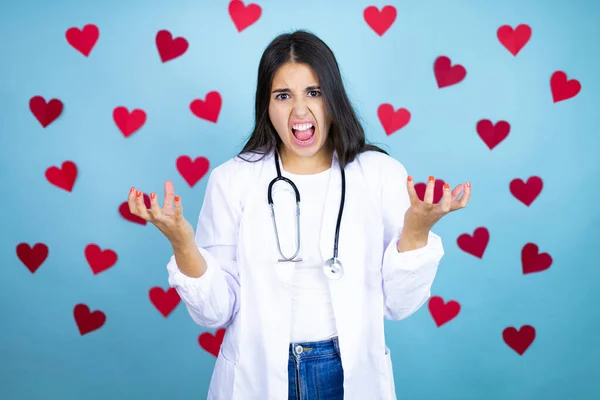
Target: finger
169,193
428,198
131,200
132,203
457,190
412,193
155,210
446,198
178,208
465,198
140,207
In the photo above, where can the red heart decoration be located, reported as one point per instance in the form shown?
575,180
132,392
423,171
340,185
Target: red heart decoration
526,192
44,112
99,260
210,342
441,312
392,120
63,177
129,122
32,257
192,171
88,321
492,134
165,301
514,40
207,109
476,244
447,75
438,190
380,21
519,340
83,40
169,48
125,213
532,261
243,16
563,89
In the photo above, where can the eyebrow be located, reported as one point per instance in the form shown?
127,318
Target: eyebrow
284,90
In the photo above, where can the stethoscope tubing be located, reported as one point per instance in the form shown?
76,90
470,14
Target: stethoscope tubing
279,177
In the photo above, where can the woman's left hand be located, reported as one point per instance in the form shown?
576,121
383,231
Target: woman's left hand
422,215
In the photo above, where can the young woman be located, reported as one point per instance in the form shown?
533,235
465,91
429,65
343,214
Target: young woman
302,270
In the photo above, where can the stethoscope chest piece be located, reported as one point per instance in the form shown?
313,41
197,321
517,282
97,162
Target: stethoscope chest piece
333,268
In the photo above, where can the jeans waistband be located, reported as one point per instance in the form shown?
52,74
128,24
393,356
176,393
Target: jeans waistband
315,349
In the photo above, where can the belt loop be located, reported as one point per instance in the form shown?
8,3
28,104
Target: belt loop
336,344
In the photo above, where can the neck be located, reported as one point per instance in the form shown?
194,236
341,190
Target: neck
306,165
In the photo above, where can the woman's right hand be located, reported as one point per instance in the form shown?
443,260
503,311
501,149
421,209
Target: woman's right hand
168,219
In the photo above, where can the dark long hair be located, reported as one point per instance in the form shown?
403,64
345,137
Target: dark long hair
346,134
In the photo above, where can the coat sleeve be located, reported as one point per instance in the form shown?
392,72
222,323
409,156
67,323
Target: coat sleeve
407,276
212,300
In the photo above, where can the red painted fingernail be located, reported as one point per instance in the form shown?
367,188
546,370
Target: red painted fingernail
430,178
138,193
410,178
176,198
131,190
446,186
152,195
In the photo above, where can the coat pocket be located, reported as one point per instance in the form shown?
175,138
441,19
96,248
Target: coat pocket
222,381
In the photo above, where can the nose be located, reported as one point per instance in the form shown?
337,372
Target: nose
300,107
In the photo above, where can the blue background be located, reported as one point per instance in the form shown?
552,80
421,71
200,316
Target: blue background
139,354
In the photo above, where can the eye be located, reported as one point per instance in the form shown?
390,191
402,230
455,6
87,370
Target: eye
317,93
281,94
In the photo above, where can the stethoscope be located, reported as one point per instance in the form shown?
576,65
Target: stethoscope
333,267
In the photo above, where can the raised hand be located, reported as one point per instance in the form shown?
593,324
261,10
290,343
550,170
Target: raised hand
168,219
422,215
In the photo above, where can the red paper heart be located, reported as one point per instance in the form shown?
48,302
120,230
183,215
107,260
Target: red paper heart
447,75
476,244
63,177
563,89
380,21
210,342
192,171
532,261
519,340
443,313
32,257
207,109
169,48
125,213
44,112
99,260
492,134
243,16
129,122
438,190
526,192
88,321
514,40
83,40
392,120
165,301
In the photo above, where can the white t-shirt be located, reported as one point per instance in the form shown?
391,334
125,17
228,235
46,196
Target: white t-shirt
312,312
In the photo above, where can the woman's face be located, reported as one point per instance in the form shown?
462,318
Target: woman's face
297,112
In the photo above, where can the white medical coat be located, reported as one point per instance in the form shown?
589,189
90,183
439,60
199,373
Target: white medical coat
247,291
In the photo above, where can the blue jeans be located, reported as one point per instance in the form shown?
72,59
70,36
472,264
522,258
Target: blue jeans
315,371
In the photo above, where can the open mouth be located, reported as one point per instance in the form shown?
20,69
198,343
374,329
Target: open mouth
304,133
